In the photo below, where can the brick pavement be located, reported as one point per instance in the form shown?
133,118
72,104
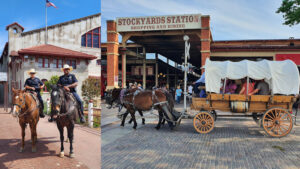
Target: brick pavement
234,143
86,147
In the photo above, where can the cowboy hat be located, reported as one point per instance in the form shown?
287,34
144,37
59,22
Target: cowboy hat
66,66
31,71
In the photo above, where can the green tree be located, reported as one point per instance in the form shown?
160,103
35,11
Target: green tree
291,12
91,88
53,81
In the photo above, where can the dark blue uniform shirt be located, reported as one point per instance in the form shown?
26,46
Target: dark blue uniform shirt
66,80
35,82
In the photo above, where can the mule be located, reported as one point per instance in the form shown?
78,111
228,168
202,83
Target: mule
144,101
26,109
114,97
64,108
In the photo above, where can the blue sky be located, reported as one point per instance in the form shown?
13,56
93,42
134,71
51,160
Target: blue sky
31,13
230,19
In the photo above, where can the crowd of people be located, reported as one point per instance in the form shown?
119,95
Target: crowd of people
255,87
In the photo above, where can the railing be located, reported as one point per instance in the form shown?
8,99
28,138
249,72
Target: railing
93,116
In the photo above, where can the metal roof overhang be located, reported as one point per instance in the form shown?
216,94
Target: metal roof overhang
169,44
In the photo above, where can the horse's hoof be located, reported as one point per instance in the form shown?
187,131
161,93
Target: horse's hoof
61,154
157,128
122,125
21,150
72,155
129,122
33,150
134,127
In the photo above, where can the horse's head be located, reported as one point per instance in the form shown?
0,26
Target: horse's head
57,97
112,96
18,101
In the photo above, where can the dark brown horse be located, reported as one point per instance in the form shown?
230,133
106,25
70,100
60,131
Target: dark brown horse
27,111
146,100
64,109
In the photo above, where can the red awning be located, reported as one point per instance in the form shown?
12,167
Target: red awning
294,57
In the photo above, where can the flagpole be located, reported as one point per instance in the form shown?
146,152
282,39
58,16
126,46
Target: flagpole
46,32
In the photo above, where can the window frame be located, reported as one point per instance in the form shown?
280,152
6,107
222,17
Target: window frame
92,33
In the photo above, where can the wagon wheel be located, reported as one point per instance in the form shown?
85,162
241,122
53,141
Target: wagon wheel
204,122
277,122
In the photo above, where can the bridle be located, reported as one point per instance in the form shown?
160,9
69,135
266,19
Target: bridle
20,106
61,102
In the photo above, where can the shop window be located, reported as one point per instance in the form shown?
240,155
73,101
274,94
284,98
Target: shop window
91,38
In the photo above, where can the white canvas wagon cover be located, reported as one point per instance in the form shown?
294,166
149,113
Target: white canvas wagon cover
282,76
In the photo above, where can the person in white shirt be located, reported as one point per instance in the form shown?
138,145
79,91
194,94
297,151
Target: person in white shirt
190,89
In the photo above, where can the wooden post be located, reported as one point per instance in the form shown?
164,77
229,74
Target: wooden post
144,68
168,80
156,69
90,115
124,68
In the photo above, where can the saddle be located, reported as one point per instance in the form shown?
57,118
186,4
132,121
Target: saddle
33,94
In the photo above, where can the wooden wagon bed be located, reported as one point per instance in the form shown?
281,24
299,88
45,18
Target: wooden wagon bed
272,112
257,103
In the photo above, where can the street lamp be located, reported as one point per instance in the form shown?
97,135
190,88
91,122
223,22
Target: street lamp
186,57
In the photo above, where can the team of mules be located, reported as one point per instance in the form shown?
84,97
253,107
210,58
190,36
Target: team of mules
143,100
64,108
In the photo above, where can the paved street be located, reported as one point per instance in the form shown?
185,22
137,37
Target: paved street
86,147
234,143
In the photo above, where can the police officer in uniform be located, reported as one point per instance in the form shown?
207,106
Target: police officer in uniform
69,82
35,84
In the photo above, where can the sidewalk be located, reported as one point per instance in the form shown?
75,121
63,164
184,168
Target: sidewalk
86,146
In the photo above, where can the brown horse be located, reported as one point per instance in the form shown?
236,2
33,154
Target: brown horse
146,100
27,111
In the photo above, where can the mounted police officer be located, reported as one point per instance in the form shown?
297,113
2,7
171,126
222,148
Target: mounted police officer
69,82
35,84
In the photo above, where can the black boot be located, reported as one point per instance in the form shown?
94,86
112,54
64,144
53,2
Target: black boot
50,119
81,117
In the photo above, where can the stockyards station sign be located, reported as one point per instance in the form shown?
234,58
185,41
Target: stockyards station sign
155,23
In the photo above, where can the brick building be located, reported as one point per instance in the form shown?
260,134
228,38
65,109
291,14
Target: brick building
163,35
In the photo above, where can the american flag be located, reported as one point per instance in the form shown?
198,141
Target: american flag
48,4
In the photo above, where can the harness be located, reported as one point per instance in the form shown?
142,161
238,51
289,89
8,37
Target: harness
23,103
155,101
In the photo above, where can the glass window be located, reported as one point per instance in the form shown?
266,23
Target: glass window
95,41
40,62
68,62
46,62
59,63
83,40
73,64
54,63
89,40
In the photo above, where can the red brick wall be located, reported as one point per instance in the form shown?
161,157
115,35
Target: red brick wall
205,39
112,54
